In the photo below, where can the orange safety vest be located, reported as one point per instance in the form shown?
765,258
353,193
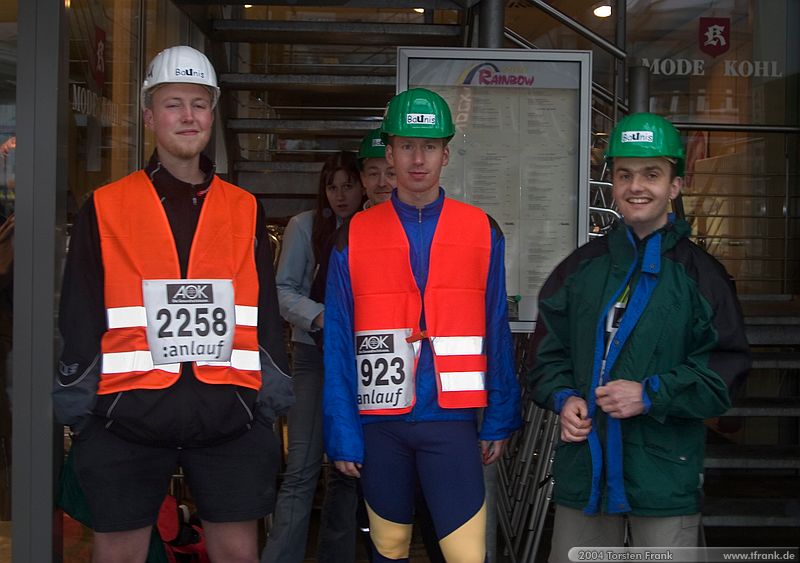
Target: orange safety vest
137,244
386,296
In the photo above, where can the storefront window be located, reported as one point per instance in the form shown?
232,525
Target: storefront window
741,198
110,45
164,26
8,121
104,70
104,66
8,152
731,62
728,73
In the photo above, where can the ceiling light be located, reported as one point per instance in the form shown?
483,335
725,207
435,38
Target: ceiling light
602,10
248,5
419,10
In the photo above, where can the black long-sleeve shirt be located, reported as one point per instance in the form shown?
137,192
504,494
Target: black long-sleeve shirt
190,412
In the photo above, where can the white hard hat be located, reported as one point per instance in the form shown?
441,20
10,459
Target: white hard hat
181,64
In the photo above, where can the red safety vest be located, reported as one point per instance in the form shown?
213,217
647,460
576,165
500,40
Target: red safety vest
386,295
137,244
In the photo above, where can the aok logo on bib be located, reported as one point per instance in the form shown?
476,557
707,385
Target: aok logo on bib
375,344
194,293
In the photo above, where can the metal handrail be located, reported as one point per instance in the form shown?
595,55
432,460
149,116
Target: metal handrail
582,30
736,127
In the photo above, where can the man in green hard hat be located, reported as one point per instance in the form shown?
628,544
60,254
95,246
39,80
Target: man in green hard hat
377,176
639,339
416,341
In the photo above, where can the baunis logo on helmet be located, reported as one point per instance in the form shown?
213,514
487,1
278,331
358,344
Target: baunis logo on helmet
181,293
637,137
425,118
190,72
489,74
374,344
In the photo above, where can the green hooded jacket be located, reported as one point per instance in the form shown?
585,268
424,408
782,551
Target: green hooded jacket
681,336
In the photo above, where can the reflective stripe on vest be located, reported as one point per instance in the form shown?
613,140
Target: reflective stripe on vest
139,360
455,294
460,346
128,317
137,244
457,345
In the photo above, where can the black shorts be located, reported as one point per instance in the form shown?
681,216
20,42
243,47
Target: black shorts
125,482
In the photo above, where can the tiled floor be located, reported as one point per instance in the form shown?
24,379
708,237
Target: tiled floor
418,554
5,542
77,541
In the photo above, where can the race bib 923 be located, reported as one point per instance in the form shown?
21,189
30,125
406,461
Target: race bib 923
386,364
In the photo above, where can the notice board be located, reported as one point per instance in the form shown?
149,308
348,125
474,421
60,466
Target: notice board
520,152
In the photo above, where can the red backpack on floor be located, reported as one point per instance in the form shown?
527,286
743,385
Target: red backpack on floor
184,541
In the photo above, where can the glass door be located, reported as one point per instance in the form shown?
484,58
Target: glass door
8,153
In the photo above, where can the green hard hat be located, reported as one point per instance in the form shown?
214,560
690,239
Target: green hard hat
646,135
372,146
418,113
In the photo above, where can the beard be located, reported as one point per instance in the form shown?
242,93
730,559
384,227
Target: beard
185,149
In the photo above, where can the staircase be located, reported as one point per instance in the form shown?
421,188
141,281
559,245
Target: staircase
753,456
301,80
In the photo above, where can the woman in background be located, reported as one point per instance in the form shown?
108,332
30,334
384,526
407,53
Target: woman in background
306,240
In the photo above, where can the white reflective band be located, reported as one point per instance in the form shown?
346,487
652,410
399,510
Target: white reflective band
457,345
462,380
139,360
126,317
240,359
246,315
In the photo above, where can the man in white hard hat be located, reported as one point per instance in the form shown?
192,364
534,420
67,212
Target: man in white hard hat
173,355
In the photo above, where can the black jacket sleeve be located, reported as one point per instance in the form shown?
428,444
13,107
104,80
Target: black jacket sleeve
276,395
82,322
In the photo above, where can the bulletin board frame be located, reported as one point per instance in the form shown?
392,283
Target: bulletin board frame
521,150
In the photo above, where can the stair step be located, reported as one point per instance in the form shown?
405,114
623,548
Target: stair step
320,82
303,127
766,406
336,33
752,457
752,484
751,512
727,536
272,166
396,4
770,307
772,331
776,360
772,321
